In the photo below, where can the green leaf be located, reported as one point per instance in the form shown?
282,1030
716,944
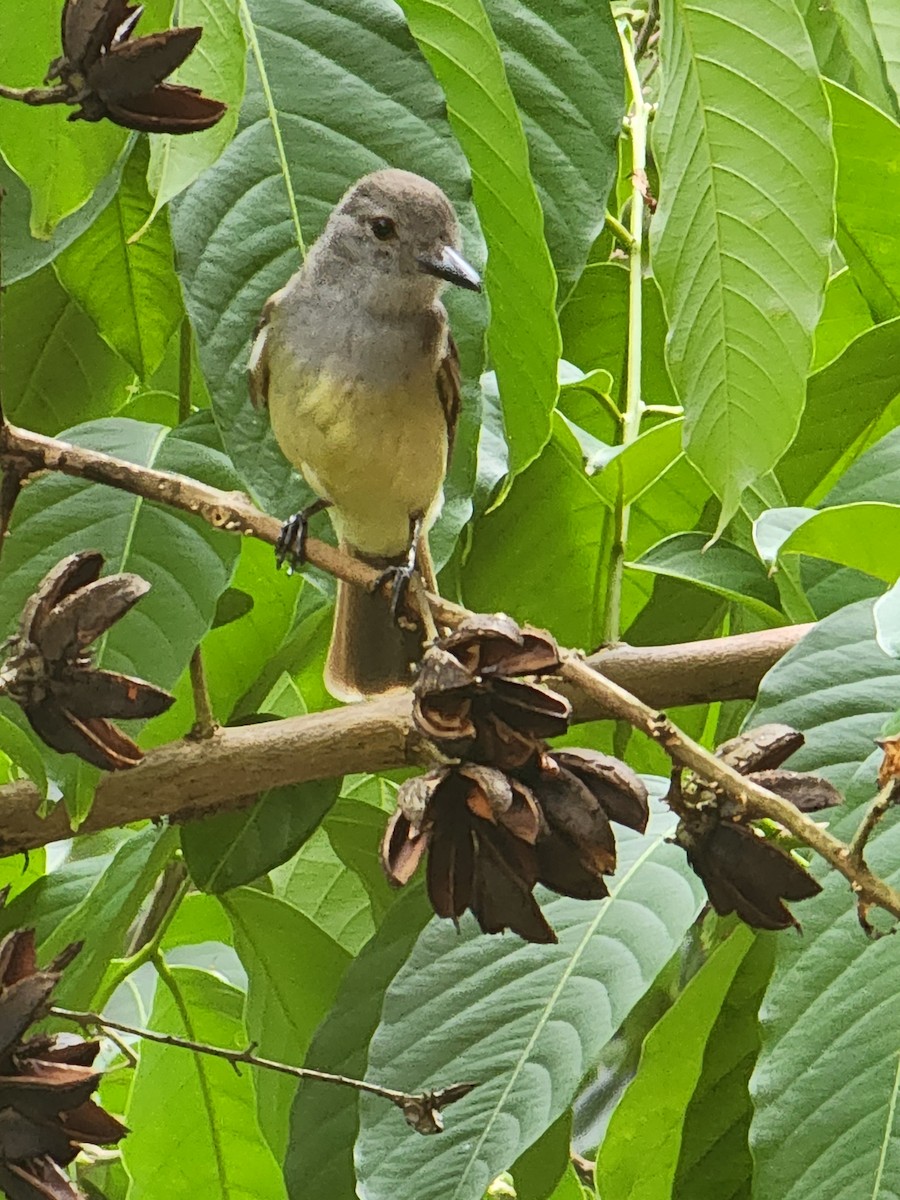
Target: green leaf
218,68
844,38
320,886
355,830
537,1172
294,970
60,161
23,752
865,536
844,316
869,371
593,323
55,369
23,254
864,140
130,291
722,568
459,44
742,234
525,1021
233,848
93,902
188,564
325,1119
828,1067
640,1150
715,1157
20,871
886,20
194,1130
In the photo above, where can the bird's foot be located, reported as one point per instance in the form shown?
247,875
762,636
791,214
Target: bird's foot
398,579
291,545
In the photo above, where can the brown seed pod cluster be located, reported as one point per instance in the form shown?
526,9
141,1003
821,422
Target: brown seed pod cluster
46,1110
743,871
49,673
110,74
513,814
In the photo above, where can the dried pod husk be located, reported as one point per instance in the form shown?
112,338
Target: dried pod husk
574,815
90,25
479,829
69,575
135,68
809,793
79,618
760,749
169,108
97,693
92,739
620,791
495,645
46,1110
742,871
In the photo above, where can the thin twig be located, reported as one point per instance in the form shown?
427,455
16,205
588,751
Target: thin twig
885,800
36,95
647,30
185,353
759,802
615,226
170,891
93,1021
205,724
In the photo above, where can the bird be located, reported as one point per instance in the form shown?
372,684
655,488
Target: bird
356,364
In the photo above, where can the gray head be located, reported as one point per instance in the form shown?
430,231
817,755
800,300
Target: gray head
402,231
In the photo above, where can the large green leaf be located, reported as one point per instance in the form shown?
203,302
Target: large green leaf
715,1157
55,369
844,37
93,902
865,536
233,848
324,1119
194,1130
24,254
845,315
723,568
457,40
218,68
828,1068
294,970
525,1021
886,20
188,563
864,140
130,291
843,400
742,234
639,1153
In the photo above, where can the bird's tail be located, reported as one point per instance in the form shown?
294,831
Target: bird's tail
370,653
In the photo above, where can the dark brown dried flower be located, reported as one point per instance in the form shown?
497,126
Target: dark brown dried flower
580,792
742,871
45,1086
423,1111
758,753
470,701
490,837
49,672
109,74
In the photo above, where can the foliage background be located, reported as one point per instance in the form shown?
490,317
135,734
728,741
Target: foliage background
764,302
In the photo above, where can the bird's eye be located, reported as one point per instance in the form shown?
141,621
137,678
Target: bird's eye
383,228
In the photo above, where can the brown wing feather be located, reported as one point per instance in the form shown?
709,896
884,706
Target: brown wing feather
258,365
449,392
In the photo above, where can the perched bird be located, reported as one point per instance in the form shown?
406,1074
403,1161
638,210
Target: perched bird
355,361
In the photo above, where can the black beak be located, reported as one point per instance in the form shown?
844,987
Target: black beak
452,267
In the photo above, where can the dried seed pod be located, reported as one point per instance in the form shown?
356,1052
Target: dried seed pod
742,871
620,791
496,645
809,793
50,676
760,749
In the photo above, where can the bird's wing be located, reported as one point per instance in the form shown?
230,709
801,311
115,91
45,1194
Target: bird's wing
449,391
258,365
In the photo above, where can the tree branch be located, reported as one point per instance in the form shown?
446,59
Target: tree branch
191,779
759,802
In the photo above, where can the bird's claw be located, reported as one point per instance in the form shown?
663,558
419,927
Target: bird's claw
291,545
399,579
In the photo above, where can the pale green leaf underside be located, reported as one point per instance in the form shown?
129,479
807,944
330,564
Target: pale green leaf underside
743,230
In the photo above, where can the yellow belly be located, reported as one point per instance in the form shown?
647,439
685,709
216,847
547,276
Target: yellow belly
378,456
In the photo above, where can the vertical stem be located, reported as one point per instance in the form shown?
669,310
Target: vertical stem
184,369
637,121
204,718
